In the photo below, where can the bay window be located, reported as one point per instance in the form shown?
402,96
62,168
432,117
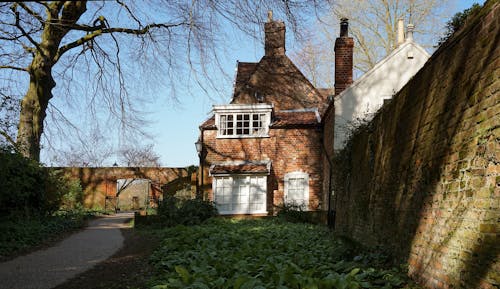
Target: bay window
240,194
237,120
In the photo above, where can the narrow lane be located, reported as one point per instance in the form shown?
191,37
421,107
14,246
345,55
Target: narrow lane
47,268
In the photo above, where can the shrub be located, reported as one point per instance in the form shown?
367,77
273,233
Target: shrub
73,195
293,212
19,234
27,188
457,22
173,211
195,211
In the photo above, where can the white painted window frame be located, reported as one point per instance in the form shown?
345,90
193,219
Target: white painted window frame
262,110
248,177
297,175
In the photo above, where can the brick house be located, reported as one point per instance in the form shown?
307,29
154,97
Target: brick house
274,142
264,148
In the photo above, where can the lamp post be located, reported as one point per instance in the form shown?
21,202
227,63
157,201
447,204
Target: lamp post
199,149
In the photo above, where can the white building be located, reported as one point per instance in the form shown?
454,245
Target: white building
361,100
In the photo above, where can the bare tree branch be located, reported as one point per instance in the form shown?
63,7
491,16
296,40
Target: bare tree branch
101,31
13,67
8,138
24,33
178,44
31,12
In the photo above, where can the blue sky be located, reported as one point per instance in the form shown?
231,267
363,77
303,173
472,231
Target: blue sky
176,126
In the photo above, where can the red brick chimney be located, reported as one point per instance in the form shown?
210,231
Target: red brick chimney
274,36
343,58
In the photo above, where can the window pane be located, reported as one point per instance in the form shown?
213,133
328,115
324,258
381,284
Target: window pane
297,190
226,124
243,124
240,193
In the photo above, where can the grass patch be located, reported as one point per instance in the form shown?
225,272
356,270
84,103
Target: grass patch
20,234
240,254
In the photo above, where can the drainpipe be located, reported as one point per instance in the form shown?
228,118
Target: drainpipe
331,215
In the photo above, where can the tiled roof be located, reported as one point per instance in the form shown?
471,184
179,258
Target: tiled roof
241,168
209,123
296,118
275,80
244,70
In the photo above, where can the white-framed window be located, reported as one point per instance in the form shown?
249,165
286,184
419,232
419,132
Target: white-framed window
243,124
297,189
239,120
240,194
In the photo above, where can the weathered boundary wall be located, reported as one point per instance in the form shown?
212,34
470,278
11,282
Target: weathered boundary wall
423,178
99,183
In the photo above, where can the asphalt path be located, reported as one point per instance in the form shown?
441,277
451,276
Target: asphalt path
47,268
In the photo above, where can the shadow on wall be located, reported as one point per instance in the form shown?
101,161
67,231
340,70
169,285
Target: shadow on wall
422,179
99,183
287,148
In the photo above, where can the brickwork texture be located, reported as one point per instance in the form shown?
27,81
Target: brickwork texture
423,178
99,183
289,149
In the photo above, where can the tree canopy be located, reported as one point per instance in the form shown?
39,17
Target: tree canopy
372,24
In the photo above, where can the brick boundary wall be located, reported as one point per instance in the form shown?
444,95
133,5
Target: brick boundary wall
422,180
100,182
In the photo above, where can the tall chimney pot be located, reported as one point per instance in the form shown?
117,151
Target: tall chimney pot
409,32
269,15
400,32
344,46
344,27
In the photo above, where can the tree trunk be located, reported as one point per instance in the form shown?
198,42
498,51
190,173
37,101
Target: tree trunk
60,16
34,106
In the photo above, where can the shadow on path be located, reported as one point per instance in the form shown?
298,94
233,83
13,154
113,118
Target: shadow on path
73,255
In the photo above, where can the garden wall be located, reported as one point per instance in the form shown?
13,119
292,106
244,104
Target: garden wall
422,180
100,184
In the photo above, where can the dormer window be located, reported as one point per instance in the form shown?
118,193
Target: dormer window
242,120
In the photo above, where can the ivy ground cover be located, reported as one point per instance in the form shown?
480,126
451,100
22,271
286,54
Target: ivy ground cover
241,254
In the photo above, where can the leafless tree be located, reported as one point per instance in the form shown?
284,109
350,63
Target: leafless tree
372,24
134,156
95,51
91,151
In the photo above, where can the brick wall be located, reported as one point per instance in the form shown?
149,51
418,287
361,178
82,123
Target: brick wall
98,183
289,149
423,178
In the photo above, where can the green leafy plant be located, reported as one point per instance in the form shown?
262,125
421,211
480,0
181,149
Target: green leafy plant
269,253
457,22
173,211
72,198
21,233
27,188
292,212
